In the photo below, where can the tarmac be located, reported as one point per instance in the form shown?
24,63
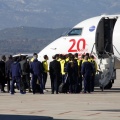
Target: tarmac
95,106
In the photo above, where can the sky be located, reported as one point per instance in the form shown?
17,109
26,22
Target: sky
53,13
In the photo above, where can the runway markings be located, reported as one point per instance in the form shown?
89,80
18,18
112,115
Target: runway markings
64,113
93,114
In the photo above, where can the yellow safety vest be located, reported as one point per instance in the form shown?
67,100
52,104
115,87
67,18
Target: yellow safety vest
32,59
62,63
93,61
89,60
67,59
78,61
45,66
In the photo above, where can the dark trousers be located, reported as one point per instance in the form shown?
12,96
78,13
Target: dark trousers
44,79
55,83
63,78
73,83
87,84
34,83
52,81
92,83
80,82
2,83
8,83
17,80
25,82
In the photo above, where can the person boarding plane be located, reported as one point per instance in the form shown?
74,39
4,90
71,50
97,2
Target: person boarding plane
98,36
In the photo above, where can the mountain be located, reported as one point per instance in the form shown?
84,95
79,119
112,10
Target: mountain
29,25
31,33
27,39
52,13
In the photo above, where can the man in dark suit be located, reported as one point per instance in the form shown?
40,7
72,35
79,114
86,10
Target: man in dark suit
55,70
51,70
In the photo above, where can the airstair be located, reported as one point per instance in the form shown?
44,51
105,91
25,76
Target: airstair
106,67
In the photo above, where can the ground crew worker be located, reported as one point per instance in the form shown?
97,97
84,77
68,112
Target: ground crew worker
87,71
63,73
79,79
79,74
95,70
45,70
36,69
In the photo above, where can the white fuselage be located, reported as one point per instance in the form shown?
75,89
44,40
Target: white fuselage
99,36
84,42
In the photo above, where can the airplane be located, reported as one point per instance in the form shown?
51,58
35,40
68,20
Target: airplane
97,35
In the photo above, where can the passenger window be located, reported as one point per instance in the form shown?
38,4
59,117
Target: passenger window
75,31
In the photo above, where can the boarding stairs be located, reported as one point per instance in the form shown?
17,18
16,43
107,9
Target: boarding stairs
106,67
106,72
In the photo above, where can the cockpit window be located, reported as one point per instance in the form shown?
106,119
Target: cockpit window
75,31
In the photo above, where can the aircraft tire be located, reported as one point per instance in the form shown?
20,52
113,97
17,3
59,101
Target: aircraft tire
108,86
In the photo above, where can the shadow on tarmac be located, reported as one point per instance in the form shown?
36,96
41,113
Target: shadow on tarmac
27,117
108,110
112,90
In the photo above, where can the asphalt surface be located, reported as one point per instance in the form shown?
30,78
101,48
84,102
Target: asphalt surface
95,106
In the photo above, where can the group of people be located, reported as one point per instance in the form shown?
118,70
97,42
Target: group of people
27,74
66,73
13,71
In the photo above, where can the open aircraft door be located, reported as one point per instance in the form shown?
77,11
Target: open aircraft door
104,37
104,50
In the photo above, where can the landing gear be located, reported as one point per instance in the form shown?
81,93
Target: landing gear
108,86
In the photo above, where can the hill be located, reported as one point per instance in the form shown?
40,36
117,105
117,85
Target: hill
27,39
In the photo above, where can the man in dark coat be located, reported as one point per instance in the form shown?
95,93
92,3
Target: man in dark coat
72,68
2,73
7,71
36,70
51,72
25,67
87,72
55,70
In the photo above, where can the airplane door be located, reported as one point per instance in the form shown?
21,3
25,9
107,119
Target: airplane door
104,36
